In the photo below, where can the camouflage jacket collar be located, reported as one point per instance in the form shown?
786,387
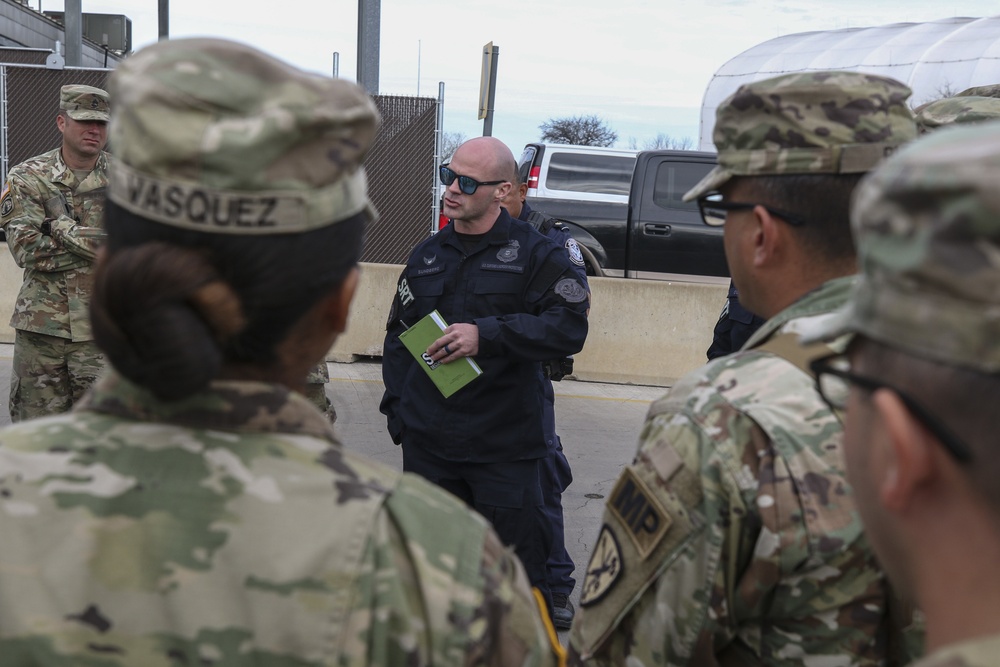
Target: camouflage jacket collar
823,300
226,405
61,173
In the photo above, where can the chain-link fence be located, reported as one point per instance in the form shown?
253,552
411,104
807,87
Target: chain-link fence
23,56
400,164
401,174
30,101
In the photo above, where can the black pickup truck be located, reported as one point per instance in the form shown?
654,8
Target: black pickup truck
626,209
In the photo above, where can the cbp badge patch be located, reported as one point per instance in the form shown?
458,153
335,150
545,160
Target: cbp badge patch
6,201
573,248
604,568
509,254
571,290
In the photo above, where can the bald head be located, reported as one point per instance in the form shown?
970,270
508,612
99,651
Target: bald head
491,154
489,162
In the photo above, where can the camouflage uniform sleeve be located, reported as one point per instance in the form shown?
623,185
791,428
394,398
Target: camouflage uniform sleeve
515,630
733,537
662,574
448,592
69,245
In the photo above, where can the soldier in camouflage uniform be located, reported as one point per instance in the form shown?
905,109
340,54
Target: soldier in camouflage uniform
52,209
920,379
733,538
193,508
315,390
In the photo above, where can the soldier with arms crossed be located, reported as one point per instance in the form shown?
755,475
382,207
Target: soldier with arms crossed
52,209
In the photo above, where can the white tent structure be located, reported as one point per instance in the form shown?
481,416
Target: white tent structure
934,59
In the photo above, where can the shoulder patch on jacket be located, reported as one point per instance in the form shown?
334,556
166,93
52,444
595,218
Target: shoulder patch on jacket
604,568
571,290
6,200
645,519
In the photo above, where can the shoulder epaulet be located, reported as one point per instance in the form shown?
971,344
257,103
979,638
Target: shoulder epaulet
540,221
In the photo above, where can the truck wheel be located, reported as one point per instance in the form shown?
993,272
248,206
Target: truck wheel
593,266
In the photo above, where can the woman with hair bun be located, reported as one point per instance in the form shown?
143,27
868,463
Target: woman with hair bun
195,508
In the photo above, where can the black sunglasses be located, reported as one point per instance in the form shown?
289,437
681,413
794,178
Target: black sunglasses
713,210
466,184
834,378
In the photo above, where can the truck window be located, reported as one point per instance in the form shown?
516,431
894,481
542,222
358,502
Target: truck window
673,179
580,172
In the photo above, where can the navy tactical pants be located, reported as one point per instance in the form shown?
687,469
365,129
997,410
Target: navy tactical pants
509,496
556,477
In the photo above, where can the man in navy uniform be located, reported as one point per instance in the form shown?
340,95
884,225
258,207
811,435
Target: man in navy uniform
555,473
512,301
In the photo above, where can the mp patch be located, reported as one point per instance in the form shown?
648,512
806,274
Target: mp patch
573,248
644,519
571,290
604,569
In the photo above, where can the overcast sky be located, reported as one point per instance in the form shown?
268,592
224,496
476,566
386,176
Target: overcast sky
641,65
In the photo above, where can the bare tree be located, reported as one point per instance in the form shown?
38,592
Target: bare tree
665,141
450,141
581,130
944,89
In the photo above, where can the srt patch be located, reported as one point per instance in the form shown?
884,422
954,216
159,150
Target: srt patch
604,569
405,295
645,520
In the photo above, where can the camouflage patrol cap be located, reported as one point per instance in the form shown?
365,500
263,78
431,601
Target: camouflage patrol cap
84,102
217,136
927,225
951,110
808,123
992,90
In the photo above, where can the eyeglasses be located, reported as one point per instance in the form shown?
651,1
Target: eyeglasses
466,184
713,210
834,379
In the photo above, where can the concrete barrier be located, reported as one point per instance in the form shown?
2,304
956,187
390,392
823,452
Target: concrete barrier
11,277
641,331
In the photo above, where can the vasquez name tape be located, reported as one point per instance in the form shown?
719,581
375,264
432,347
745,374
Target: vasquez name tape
198,208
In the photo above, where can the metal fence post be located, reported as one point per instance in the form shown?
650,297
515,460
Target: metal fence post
4,156
438,147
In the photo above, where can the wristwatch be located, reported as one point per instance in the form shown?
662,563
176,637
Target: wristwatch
46,227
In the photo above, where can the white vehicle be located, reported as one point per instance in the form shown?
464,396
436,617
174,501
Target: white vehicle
581,173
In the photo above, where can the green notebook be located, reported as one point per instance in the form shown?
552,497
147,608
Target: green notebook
449,377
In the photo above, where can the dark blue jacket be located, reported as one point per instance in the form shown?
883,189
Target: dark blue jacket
562,236
519,288
735,326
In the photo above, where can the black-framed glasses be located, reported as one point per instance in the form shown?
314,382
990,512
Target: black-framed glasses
713,210
466,184
834,379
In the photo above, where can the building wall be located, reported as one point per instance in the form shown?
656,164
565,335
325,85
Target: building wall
21,26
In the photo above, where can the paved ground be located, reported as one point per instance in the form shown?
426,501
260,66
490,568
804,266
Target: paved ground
599,425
